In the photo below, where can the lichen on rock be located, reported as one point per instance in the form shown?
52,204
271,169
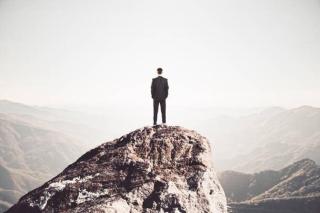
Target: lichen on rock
152,169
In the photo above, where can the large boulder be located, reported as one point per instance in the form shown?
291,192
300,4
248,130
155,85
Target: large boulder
153,169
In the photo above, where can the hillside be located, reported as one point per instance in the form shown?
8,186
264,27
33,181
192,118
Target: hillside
32,135
270,139
30,155
80,125
295,188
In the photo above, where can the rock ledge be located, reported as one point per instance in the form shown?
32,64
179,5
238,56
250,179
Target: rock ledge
152,169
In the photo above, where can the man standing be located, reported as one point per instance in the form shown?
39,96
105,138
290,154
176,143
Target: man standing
159,93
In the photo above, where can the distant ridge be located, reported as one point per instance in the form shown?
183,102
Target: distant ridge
271,139
275,191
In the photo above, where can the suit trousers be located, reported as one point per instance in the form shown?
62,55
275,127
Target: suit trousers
155,110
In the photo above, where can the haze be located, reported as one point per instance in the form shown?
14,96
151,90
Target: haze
215,53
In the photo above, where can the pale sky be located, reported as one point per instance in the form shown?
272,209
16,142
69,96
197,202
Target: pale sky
214,53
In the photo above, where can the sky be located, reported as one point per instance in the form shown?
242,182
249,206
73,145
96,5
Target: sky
215,53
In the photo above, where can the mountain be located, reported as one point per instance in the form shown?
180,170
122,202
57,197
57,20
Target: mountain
270,139
30,155
260,139
37,142
80,125
295,188
153,169
284,205
264,139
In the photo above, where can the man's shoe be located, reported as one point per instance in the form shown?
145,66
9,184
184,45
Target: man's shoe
164,124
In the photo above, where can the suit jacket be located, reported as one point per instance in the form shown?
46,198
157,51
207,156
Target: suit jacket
159,88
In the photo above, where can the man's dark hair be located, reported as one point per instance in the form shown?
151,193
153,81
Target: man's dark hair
159,70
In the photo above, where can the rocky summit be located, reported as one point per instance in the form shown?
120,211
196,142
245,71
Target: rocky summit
153,169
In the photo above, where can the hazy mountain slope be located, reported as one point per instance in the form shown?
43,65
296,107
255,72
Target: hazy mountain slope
275,191
8,189
24,146
239,186
82,126
299,179
13,184
30,155
270,139
37,142
289,205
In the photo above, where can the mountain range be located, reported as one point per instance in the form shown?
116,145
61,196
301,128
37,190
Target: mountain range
269,139
293,189
36,143
29,156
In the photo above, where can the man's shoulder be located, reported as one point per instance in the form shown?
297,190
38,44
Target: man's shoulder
163,78
159,77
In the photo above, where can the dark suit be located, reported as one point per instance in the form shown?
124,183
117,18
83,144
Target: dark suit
159,93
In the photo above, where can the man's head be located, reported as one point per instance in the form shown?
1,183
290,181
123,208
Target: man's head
159,71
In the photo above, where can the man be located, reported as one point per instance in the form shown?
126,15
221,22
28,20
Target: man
159,93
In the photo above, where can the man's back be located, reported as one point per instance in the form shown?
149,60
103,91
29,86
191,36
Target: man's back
159,88
159,93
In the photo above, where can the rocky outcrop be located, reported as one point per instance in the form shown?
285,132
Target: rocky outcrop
153,169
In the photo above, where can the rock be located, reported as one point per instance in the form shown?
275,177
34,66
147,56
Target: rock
153,169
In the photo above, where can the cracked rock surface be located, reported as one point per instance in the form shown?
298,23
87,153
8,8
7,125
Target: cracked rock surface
152,169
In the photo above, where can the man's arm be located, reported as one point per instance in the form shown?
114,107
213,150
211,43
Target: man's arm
152,88
167,88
